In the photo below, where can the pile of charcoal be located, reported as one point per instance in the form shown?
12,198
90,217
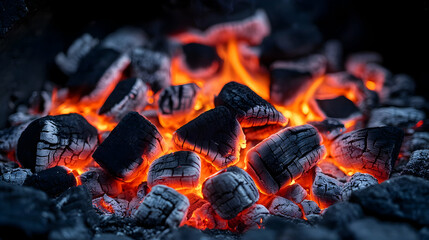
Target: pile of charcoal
335,149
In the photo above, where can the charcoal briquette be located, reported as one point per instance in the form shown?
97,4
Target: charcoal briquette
284,156
16,176
285,208
294,192
128,149
49,141
98,183
326,190
253,217
395,117
52,181
339,108
310,207
205,217
230,191
357,181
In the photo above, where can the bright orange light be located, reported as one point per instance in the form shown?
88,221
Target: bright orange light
370,85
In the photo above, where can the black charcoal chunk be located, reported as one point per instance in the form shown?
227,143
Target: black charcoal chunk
52,181
230,191
128,95
284,156
339,108
205,217
199,56
179,170
357,181
152,67
97,70
285,208
16,176
251,218
106,205
262,132
369,150
396,199
294,192
330,128
326,190
250,109
68,62
163,206
310,207
371,228
129,147
176,103
330,169
125,39
49,141
25,212
418,165
340,214
215,134
395,117
419,141
98,183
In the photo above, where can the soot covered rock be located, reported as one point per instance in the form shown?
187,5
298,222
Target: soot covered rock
49,141
284,156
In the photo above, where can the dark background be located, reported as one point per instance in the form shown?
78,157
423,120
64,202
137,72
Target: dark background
398,30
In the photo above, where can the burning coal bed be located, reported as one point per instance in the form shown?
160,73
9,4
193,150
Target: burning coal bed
200,140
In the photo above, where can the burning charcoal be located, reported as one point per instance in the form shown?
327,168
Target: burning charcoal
124,39
108,205
396,199
310,207
287,84
395,117
9,137
52,181
330,128
130,146
16,176
285,208
251,29
49,141
369,150
333,52
142,191
7,166
177,170
250,109
98,182
376,78
296,41
262,132
357,62
330,169
251,218
326,190
200,61
205,217
152,67
69,62
97,71
195,202
402,86
418,165
340,108
230,191
294,192
163,206
25,213
284,156
176,103
128,95
357,181
215,134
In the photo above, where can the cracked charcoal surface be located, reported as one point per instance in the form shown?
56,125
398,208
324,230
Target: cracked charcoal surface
369,150
418,165
250,109
285,208
310,207
49,141
339,107
230,191
128,95
89,78
294,192
329,128
251,218
131,144
357,181
163,206
205,217
98,182
108,205
396,199
177,170
152,67
16,176
326,190
175,103
284,156
396,117
215,134
52,181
